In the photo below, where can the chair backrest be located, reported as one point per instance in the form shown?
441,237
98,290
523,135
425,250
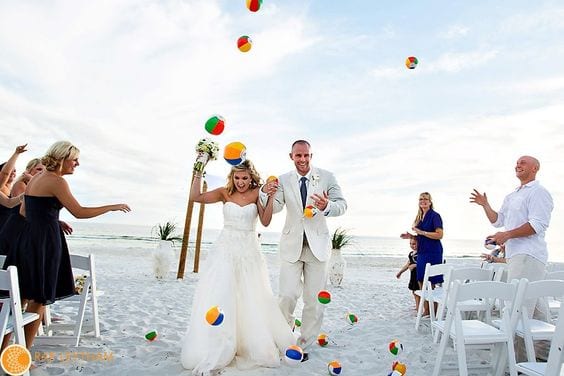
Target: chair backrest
471,274
433,271
11,305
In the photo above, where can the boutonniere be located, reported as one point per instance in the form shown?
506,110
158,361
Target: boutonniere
314,180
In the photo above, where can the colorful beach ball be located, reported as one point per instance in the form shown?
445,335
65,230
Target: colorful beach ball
215,125
272,178
411,62
351,318
395,347
310,211
294,355
214,316
395,373
151,336
324,297
244,43
323,340
254,5
297,323
400,367
235,153
334,367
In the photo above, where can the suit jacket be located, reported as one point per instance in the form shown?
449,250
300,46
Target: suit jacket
296,224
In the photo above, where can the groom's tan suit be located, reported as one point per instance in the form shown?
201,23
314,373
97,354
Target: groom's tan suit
305,246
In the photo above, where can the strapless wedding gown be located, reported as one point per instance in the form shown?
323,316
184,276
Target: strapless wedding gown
234,277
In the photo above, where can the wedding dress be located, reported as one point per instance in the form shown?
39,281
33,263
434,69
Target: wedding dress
234,277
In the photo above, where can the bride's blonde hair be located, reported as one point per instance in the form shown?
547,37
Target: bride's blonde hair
248,166
57,153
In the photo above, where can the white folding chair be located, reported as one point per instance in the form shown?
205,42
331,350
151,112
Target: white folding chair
553,366
12,320
554,304
76,326
427,293
464,275
476,332
532,329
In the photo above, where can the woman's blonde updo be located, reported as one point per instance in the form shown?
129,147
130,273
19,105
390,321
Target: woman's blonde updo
57,153
248,166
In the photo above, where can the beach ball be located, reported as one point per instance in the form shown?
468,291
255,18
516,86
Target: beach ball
297,323
310,211
334,367
395,373
214,316
254,5
235,153
323,340
244,43
324,297
151,336
215,125
272,178
294,355
351,318
395,347
490,244
411,62
400,367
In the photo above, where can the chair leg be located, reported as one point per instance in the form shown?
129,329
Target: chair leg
530,348
440,354
498,359
461,354
420,311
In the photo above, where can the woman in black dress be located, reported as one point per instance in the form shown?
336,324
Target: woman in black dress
43,260
7,176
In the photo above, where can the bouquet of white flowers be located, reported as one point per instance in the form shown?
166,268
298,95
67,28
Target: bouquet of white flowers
206,149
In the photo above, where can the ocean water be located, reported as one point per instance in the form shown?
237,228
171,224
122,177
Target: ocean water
123,236
133,236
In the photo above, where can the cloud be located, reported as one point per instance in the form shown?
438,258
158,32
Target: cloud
455,32
454,62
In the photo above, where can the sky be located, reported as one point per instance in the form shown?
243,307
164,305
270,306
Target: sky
131,84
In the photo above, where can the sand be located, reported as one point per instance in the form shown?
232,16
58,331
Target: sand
134,302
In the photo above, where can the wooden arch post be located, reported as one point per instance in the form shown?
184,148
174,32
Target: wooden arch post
186,234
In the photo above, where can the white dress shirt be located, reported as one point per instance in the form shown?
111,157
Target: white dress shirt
528,203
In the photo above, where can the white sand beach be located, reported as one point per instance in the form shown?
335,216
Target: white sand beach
134,302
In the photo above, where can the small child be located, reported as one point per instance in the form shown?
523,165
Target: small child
411,265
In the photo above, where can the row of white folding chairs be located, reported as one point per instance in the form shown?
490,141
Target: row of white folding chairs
499,334
439,294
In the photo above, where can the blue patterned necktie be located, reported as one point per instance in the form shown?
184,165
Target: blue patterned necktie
303,190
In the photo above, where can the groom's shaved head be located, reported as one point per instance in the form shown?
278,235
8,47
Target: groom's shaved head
301,142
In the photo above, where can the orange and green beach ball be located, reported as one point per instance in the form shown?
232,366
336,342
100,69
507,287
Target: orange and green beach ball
244,43
411,62
254,5
215,125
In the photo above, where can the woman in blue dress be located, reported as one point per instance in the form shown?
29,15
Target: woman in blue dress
428,225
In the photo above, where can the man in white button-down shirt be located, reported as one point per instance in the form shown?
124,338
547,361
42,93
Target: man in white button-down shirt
525,215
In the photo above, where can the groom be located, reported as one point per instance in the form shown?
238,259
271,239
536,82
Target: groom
305,243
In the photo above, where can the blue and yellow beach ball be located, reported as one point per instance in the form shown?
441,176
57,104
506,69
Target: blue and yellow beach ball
214,316
334,368
400,367
294,355
235,153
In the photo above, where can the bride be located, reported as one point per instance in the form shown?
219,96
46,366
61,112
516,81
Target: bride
253,333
